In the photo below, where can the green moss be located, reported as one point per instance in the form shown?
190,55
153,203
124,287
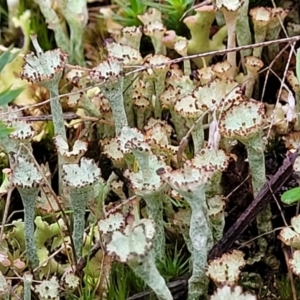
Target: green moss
284,287
123,282
129,11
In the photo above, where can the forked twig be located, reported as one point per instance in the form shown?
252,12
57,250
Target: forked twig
278,206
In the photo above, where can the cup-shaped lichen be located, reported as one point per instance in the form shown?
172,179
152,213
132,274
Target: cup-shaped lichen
248,131
181,47
156,75
131,36
278,15
218,94
46,69
234,125
225,270
148,185
252,65
73,156
260,17
22,134
230,10
206,158
131,243
199,26
154,28
130,57
27,180
110,72
190,182
83,179
178,86
189,108
228,292
141,104
48,289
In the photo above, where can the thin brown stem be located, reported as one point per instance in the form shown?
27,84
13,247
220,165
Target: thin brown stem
278,205
7,204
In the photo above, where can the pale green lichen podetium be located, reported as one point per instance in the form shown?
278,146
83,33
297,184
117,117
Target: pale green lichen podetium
201,243
215,160
189,109
216,213
132,244
110,72
27,180
148,185
278,15
154,28
190,182
230,10
27,279
130,57
83,180
243,32
260,18
145,182
149,273
159,73
76,14
248,131
256,158
46,69
154,204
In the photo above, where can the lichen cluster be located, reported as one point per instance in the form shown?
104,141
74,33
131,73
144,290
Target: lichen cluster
167,135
